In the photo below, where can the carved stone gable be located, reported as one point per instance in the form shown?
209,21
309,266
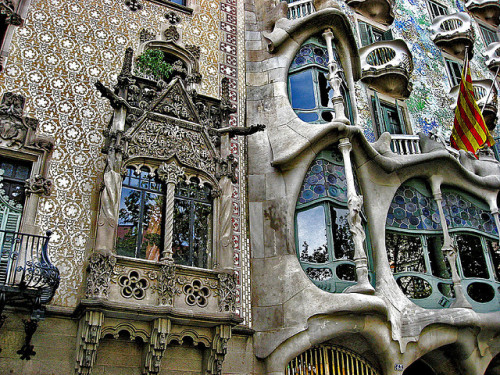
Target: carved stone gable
177,103
165,140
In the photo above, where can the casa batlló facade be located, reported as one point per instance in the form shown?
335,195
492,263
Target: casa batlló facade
247,187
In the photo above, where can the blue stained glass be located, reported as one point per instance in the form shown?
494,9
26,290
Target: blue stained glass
308,117
461,212
310,54
302,90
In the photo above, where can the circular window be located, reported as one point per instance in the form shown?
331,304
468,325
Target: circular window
481,292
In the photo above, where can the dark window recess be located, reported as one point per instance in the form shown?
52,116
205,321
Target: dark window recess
370,34
388,117
437,9
15,174
472,256
489,35
192,224
405,253
454,71
140,223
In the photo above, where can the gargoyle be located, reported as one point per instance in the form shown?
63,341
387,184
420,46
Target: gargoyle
115,100
241,130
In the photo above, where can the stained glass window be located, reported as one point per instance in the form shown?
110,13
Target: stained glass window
324,241
309,90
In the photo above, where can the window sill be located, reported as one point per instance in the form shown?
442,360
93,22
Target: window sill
174,6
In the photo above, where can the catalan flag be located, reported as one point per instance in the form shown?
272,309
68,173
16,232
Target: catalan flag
469,129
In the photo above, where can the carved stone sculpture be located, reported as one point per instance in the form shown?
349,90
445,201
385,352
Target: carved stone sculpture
99,273
227,292
14,127
157,346
218,349
167,286
38,185
89,334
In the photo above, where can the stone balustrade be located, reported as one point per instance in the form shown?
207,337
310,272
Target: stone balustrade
453,33
299,9
386,66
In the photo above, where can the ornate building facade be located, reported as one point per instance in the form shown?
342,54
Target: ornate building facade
247,187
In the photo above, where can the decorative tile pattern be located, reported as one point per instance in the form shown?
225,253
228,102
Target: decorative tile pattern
62,48
410,209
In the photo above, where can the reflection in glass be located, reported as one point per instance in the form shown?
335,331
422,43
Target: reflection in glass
346,272
440,266
481,292
302,90
405,253
414,287
343,247
472,256
494,250
319,274
15,174
311,233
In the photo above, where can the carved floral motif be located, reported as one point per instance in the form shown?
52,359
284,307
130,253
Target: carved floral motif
99,273
171,34
227,292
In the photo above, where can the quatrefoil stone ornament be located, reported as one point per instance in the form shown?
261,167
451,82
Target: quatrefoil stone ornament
133,285
133,5
196,293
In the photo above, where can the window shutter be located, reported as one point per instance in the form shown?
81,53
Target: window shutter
387,35
365,34
401,117
9,220
377,112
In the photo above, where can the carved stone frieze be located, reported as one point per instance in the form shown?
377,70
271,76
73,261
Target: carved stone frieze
89,333
164,140
145,36
38,185
100,269
170,173
157,345
227,292
197,291
133,285
166,286
14,127
171,34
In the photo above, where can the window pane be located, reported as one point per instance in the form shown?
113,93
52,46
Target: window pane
152,227
494,250
201,234
180,245
405,253
489,35
342,237
392,123
440,266
472,256
311,235
128,222
302,90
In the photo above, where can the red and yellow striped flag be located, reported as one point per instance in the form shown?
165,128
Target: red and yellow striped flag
469,129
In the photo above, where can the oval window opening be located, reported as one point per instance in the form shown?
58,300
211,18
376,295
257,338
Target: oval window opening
414,287
481,292
319,274
346,272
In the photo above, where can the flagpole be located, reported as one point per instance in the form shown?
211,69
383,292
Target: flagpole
491,88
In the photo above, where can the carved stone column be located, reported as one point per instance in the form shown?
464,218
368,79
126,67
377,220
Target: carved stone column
157,345
89,334
451,253
170,174
355,203
335,79
218,350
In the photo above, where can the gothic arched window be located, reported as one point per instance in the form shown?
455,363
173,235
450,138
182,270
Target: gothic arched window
323,239
308,87
142,223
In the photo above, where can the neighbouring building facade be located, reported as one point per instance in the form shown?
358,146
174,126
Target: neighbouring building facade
247,187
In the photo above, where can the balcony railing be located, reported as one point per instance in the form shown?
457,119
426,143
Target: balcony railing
387,66
299,9
492,55
453,32
489,105
403,144
488,10
25,268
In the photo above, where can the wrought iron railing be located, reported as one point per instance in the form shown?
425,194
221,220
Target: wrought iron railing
25,265
299,9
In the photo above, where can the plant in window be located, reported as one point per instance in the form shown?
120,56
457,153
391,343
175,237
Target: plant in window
151,63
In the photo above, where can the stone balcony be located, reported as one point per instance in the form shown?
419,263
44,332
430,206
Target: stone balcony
378,10
299,9
453,33
487,10
492,55
387,66
489,105
156,288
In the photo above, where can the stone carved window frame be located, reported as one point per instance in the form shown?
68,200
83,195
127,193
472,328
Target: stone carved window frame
215,252
21,10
